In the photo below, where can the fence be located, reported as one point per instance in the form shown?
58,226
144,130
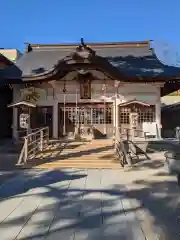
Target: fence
131,134
33,143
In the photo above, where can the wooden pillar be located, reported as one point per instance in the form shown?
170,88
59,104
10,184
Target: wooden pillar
158,113
64,112
116,85
158,118
55,120
16,96
104,93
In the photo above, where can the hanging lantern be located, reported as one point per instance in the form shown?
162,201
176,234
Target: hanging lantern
116,83
104,87
64,89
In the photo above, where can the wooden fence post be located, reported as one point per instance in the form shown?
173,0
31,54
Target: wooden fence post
26,150
41,139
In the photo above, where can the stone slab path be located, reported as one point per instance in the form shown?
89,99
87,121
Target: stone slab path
67,204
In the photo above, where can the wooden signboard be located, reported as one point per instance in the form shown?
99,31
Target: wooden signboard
150,128
23,120
85,89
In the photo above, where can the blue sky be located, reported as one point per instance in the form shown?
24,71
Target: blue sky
59,21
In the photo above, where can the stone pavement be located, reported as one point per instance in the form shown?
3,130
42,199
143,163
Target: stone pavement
6,175
67,204
156,197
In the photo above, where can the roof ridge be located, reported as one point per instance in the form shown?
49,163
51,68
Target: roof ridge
94,44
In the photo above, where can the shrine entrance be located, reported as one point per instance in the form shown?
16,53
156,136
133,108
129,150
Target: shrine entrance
84,122
89,120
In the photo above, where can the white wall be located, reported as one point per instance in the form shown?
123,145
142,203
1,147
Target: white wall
143,92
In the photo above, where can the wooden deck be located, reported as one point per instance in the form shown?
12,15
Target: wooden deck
98,154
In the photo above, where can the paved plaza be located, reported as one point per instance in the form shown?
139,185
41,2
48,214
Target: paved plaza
67,204
140,203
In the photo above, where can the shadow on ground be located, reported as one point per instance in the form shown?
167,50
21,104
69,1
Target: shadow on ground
73,212
163,145
160,197
53,156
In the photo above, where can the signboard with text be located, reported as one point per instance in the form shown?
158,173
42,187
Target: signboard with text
23,120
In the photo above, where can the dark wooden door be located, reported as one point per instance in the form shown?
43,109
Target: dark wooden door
69,119
42,117
60,121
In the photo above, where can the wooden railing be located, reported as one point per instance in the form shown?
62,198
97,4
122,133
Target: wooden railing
131,134
23,133
33,143
120,148
123,141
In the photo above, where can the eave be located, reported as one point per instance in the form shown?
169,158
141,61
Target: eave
133,67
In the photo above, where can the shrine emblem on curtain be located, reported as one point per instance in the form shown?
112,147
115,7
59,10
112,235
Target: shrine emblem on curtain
85,89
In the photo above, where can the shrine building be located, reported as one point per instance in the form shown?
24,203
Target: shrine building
95,85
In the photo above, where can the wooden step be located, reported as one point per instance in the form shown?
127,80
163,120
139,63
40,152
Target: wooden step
61,157
75,165
87,150
97,154
98,150
79,161
85,154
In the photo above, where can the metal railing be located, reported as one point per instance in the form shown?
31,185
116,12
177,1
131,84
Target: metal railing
33,143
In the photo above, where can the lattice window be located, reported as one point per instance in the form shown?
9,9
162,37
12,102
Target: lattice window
145,114
89,115
99,117
70,113
108,115
124,115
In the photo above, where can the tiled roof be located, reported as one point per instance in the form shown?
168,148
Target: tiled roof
133,60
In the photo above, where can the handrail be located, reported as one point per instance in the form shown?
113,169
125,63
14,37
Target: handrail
123,139
33,143
23,133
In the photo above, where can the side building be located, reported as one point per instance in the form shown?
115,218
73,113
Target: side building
11,54
7,59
